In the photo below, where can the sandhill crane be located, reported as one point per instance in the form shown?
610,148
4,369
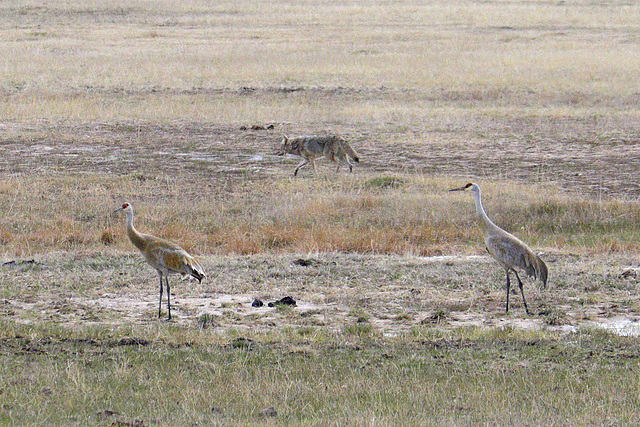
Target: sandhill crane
508,250
166,257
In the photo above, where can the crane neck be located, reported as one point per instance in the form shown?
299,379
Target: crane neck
135,237
486,222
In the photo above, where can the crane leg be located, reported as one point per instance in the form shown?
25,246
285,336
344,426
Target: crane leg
522,292
166,278
160,303
508,289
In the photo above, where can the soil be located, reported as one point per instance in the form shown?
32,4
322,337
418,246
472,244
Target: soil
352,293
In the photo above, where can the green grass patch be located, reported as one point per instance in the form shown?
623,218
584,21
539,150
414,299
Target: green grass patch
171,375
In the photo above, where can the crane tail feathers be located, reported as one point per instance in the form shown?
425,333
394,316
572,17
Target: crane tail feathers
195,270
541,271
535,267
198,275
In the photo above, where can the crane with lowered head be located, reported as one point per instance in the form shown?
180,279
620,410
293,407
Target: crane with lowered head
509,251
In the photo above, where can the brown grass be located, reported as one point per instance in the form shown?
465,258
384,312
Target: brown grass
336,214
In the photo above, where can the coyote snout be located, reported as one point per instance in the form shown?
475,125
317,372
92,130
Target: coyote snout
313,147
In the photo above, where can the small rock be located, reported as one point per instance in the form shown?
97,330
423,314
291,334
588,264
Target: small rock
283,301
305,262
257,303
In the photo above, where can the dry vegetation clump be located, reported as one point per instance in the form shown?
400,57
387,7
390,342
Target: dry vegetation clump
596,225
337,214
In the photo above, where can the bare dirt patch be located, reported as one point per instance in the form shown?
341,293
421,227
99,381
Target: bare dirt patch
358,294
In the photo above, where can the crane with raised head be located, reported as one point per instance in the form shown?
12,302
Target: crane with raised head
166,257
509,251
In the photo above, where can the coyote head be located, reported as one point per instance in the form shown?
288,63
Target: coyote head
285,146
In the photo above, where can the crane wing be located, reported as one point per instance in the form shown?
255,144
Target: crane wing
164,255
512,253
171,258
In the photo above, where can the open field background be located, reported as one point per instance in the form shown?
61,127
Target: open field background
179,107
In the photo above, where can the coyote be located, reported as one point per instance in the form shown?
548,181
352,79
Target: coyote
312,147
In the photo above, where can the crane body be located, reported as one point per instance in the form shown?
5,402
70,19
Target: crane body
166,257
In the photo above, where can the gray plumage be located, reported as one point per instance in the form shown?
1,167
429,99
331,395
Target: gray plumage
509,251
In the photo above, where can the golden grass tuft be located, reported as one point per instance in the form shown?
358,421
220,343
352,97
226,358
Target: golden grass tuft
6,236
107,237
234,241
275,237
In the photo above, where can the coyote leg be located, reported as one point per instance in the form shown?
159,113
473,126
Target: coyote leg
304,162
349,163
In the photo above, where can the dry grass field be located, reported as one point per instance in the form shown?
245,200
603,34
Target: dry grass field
179,109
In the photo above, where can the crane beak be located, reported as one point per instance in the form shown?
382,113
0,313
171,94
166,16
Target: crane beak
459,189
117,210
